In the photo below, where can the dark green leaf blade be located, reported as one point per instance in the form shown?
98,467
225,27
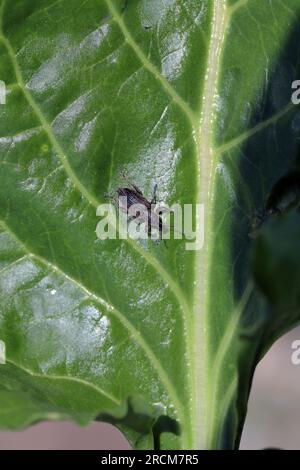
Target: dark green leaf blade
194,96
275,268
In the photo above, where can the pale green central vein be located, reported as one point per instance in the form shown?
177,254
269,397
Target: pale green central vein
206,170
135,334
66,378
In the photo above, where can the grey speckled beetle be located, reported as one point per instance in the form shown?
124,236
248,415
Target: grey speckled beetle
149,212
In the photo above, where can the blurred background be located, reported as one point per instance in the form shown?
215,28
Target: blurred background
273,418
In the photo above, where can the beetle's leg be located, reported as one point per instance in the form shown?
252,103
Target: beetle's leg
149,225
161,227
124,176
153,200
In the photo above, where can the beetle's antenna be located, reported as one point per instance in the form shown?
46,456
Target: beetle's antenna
125,177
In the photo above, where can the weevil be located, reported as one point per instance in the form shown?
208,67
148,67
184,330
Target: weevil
150,212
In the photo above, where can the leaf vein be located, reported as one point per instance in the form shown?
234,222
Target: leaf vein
162,374
236,141
150,67
67,378
174,287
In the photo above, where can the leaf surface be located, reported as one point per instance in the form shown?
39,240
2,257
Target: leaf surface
193,96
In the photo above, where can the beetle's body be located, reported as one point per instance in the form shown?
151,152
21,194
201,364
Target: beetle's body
133,197
145,213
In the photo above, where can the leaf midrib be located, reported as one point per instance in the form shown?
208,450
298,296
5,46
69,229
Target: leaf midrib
206,171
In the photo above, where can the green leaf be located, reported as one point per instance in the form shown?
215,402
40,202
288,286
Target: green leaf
193,96
276,269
